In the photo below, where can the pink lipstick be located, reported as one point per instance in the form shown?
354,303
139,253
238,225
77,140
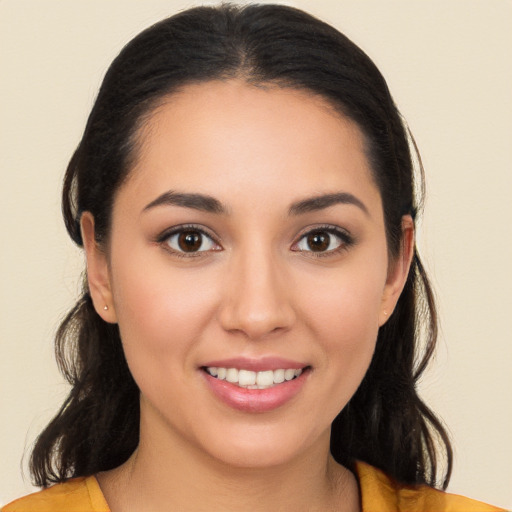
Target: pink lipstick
255,385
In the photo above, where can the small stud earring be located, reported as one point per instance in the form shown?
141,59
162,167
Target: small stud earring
105,308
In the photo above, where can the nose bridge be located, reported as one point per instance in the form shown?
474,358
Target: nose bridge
257,297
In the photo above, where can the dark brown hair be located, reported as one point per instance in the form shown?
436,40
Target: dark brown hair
385,423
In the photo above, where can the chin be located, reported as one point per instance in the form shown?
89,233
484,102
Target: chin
264,448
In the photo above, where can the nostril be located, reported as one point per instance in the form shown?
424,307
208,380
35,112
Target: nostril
256,302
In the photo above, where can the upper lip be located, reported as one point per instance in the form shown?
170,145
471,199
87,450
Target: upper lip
256,364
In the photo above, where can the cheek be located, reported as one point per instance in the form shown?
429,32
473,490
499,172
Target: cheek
343,317
347,302
161,313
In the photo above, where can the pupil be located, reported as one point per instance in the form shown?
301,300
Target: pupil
189,241
318,241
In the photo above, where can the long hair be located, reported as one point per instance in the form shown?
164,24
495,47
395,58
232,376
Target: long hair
385,423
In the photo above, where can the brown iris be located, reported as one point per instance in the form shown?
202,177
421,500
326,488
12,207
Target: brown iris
318,241
190,241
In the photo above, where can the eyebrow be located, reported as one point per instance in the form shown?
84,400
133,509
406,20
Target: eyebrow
200,202
313,204
209,204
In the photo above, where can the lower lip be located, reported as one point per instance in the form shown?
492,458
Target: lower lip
255,400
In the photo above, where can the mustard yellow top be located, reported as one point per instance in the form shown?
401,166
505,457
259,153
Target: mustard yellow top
379,493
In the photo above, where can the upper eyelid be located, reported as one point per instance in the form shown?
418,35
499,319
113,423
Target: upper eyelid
347,239
164,240
331,228
184,227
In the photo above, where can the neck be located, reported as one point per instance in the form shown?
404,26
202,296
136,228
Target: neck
175,475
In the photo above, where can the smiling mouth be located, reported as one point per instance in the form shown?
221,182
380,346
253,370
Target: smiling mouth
249,379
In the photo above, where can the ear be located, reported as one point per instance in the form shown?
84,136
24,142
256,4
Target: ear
98,273
398,271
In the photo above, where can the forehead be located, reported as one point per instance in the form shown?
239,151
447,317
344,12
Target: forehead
221,137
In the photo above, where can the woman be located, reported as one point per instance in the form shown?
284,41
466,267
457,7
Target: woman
247,334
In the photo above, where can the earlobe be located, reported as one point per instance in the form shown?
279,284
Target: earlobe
398,272
98,275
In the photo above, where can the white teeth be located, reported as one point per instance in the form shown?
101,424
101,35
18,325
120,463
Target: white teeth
289,374
246,378
232,375
254,380
265,378
279,376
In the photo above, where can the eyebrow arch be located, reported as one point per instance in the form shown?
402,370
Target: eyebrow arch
200,202
325,201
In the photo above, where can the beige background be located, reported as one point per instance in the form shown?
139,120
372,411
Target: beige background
449,67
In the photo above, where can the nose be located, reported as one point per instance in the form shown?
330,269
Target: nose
257,296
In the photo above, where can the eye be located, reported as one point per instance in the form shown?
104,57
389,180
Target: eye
189,240
323,240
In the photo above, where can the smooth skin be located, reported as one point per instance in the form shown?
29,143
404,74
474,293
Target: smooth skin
260,277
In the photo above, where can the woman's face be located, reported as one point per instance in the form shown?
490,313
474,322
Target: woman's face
247,247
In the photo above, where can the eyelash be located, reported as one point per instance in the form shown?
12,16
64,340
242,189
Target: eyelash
166,235
346,240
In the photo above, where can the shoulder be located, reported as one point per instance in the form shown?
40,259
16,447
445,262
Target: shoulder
380,493
75,495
